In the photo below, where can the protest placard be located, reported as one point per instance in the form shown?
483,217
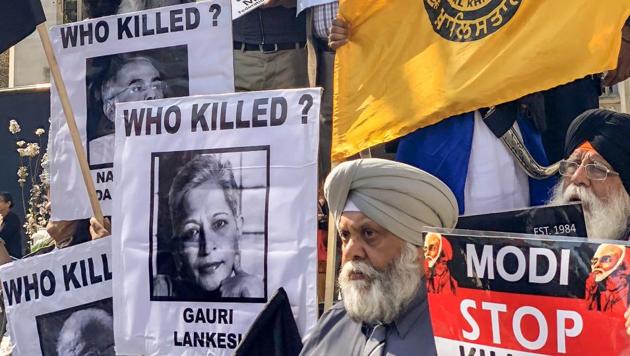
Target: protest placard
166,52
214,212
561,220
61,301
305,4
241,7
526,294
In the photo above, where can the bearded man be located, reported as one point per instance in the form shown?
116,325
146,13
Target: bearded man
380,208
437,255
606,288
596,172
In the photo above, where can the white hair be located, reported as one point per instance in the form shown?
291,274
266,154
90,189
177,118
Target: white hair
81,329
605,220
382,295
116,65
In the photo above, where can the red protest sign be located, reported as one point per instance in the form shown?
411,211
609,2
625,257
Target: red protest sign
527,296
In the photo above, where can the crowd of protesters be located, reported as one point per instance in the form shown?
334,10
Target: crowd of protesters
275,48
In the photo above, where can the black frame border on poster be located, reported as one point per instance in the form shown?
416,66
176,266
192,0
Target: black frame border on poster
154,155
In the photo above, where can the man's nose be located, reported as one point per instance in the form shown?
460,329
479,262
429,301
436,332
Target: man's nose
353,250
579,177
151,93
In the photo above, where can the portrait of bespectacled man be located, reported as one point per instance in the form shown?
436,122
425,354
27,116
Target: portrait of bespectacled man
132,76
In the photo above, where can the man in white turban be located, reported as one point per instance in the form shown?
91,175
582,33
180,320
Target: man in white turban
380,208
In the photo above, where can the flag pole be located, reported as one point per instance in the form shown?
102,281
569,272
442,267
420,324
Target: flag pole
72,125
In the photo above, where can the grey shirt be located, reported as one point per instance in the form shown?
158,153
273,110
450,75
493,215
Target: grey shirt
409,335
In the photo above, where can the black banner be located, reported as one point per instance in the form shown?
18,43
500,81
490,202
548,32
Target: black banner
560,220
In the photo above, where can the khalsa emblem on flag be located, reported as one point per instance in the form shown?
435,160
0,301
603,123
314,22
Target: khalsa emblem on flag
469,20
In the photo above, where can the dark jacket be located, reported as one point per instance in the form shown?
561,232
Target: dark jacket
11,233
269,26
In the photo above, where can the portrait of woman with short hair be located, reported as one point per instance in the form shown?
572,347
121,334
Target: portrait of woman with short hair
206,228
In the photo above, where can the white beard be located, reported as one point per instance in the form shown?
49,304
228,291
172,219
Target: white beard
605,220
381,296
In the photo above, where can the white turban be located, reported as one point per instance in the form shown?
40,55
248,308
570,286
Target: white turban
400,198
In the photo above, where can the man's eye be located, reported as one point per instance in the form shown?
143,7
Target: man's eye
218,224
599,169
368,233
344,235
135,88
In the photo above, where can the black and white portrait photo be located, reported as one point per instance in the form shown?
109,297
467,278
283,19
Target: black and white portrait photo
132,76
209,221
86,330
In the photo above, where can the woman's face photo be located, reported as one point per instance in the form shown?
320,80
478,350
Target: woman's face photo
207,236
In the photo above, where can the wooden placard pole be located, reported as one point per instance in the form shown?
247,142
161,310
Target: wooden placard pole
72,125
331,264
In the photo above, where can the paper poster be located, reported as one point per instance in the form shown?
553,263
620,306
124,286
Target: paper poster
527,295
241,7
560,220
167,52
60,303
305,4
215,213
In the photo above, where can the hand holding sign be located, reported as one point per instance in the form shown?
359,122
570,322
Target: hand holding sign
97,230
339,33
623,62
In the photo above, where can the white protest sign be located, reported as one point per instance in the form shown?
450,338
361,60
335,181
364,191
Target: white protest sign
166,52
241,7
216,210
305,4
61,301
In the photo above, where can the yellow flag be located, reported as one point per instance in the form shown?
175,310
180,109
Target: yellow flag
412,63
